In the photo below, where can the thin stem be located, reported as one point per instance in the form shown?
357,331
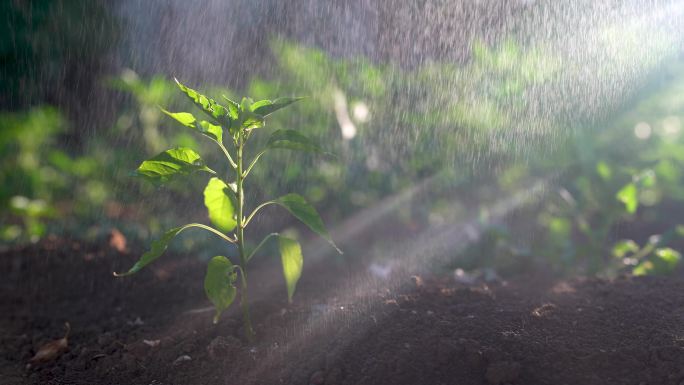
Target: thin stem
254,162
263,241
249,332
249,218
213,230
225,151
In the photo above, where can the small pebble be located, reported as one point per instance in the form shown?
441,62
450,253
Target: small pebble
182,359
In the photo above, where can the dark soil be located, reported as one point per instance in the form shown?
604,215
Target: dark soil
338,331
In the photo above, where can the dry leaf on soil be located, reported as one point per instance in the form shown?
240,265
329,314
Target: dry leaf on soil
53,349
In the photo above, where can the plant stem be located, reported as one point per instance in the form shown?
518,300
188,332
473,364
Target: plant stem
249,332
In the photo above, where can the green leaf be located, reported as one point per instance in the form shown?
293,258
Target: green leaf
624,247
644,268
171,163
669,257
604,170
217,199
267,107
157,249
185,118
298,206
628,196
233,108
292,140
211,130
207,105
207,129
291,256
251,121
219,284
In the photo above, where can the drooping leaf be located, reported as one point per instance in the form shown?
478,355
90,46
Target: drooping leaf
291,257
219,284
267,107
172,163
292,140
159,246
299,207
205,128
217,199
205,103
629,196
157,249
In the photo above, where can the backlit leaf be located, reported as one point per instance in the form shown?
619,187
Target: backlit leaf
267,107
628,195
217,199
291,256
171,163
211,130
205,103
624,247
205,128
185,118
219,284
298,206
233,108
669,257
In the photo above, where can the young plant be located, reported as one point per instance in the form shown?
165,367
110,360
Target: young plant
225,198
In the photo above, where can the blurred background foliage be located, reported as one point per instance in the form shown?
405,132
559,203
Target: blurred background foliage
613,189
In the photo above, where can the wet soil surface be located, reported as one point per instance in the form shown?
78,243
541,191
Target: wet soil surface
153,328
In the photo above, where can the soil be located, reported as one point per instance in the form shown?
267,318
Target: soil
342,328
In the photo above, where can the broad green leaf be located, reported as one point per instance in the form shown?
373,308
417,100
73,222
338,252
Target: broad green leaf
185,118
298,206
219,284
624,247
205,128
246,103
251,121
267,107
670,257
644,268
207,105
292,140
211,130
171,163
291,256
157,249
629,196
217,199
233,108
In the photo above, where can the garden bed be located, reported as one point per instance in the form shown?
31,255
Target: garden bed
153,328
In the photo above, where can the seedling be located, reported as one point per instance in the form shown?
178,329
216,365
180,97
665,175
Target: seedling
225,198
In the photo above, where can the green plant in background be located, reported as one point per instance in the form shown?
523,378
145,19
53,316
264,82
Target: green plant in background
31,183
225,198
651,258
